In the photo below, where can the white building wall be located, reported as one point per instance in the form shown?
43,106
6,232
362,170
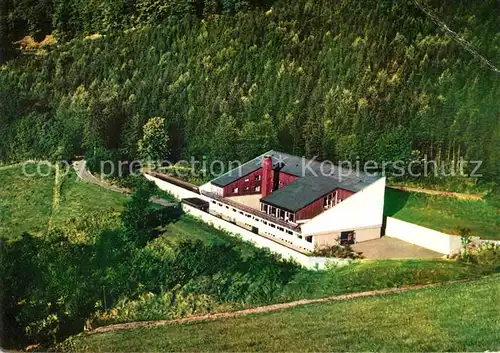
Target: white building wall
263,226
261,242
364,209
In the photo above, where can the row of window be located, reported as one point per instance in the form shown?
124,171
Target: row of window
256,178
247,188
270,224
236,190
277,212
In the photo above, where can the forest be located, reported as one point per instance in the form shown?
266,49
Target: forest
341,80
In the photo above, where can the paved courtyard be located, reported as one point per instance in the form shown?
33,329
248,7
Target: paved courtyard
391,248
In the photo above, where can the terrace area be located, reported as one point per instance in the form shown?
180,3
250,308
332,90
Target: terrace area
252,201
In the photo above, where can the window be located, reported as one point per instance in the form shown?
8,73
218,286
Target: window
227,207
247,180
264,207
214,202
234,209
235,190
281,228
241,212
257,189
309,239
272,225
291,217
348,238
289,232
257,178
247,188
220,204
265,222
281,214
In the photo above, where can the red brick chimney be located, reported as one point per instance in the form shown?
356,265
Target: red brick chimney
267,176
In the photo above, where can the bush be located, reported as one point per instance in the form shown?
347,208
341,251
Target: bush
486,255
150,306
338,251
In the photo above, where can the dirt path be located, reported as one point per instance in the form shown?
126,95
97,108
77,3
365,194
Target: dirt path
83,173
457,195
268,308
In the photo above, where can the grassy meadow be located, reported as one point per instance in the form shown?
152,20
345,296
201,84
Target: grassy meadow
445,214
33,203
459,317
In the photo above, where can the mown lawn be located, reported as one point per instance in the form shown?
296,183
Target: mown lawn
445,214
461,317
27,202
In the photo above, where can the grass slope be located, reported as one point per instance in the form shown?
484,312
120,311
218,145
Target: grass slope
26,202
445,214
460,317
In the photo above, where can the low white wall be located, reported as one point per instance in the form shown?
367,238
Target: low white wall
261,242
177,191
424,237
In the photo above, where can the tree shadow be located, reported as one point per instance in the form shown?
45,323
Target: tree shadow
395,201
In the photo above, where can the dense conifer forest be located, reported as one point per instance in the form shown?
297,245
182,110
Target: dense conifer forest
336,79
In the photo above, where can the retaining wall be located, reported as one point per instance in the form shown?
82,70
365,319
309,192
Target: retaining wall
427,238
177,191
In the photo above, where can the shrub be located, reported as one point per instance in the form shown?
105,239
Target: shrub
150,306
341,252
486,255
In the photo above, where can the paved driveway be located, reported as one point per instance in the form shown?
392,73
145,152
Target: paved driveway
391,248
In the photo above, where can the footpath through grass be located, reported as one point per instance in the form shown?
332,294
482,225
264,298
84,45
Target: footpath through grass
445,214
26,201
460,317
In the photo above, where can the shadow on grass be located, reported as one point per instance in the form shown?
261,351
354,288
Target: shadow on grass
395,200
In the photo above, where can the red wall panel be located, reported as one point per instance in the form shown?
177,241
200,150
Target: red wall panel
244,187
343,194
286,179
310,211
317,207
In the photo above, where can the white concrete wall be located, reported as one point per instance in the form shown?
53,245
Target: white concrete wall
177,191
424,237
364,209
261,242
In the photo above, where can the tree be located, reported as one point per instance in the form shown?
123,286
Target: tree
154,143
136,216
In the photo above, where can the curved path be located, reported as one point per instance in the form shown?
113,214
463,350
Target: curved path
457,195
268,308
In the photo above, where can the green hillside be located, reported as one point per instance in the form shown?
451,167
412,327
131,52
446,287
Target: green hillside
455,318
340,80
27,202
445,214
